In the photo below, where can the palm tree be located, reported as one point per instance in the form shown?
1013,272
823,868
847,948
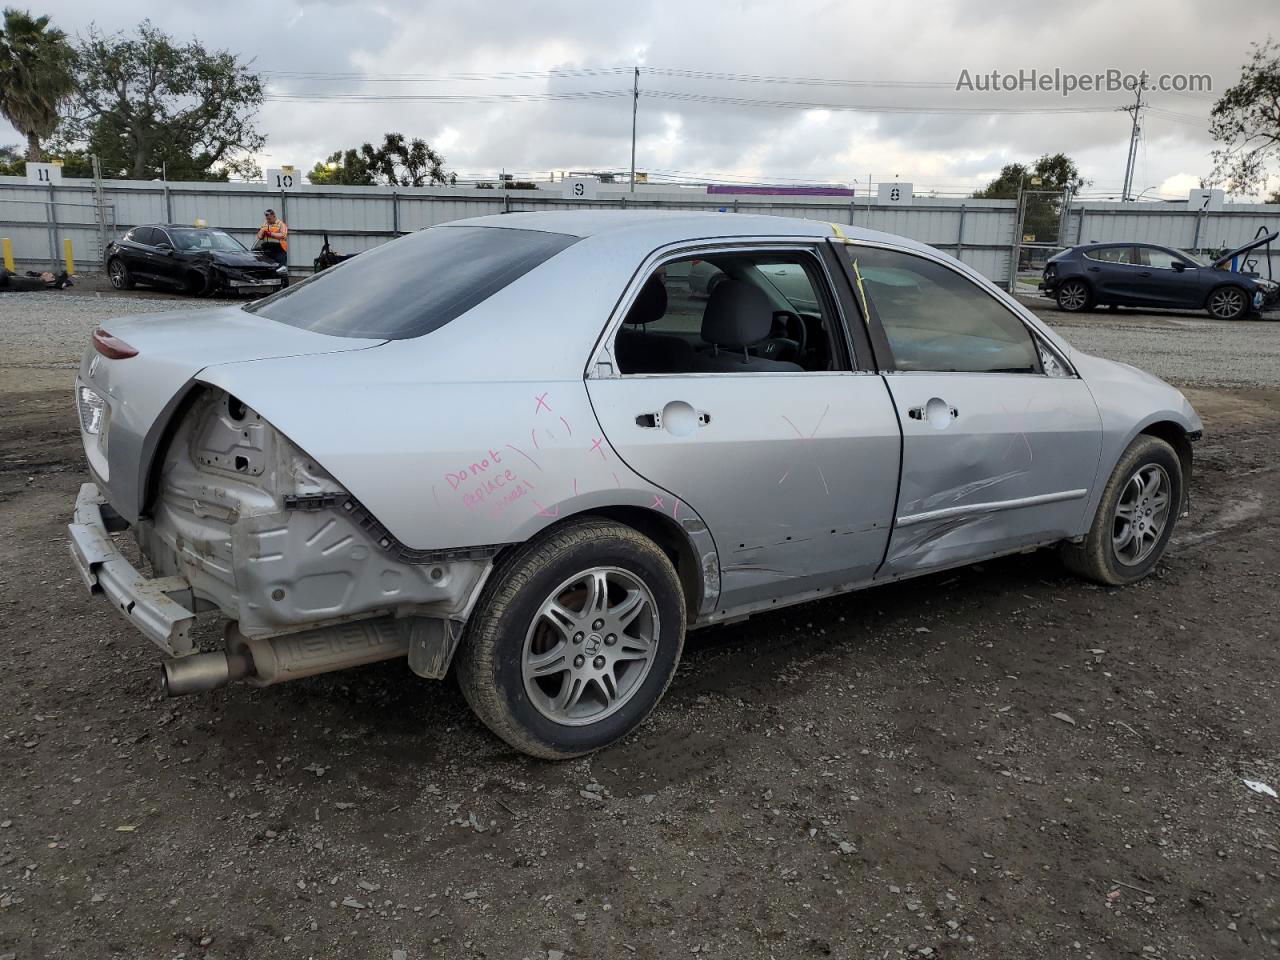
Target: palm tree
35,76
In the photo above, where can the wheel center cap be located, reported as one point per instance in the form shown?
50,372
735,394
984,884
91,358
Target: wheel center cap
592,645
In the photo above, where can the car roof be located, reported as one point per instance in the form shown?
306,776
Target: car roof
660,227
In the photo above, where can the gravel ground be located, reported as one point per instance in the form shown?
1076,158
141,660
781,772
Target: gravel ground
994,762
1183,348
51,329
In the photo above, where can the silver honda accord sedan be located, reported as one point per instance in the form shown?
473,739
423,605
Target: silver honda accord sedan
525,446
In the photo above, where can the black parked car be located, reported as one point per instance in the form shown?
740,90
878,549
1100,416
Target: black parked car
1147,275
197,260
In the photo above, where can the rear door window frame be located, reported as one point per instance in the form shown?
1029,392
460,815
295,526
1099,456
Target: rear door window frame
603,365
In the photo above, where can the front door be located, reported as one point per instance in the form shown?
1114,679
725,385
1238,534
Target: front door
792,464
1000,449
1167,279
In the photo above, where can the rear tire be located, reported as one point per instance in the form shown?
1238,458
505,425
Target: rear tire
1135,519
1074,296
575,640
1228,303
119,274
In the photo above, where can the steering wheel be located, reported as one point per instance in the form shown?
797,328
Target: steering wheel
785,348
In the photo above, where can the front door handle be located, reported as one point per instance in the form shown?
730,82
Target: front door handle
1145,273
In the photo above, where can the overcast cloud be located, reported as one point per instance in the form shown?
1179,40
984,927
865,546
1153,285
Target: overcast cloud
921,41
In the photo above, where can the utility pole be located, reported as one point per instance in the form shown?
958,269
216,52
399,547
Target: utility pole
1134,132
635,106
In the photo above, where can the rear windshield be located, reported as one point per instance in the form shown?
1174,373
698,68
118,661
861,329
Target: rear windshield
413,285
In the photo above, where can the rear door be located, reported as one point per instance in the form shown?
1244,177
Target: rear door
793,467
1000,439
140,255
1110,271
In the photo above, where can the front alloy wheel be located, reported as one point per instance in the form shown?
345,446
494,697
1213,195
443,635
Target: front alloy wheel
1228,303
1141,514
1135,518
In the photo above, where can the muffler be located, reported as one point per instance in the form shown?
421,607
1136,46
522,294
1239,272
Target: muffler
262,662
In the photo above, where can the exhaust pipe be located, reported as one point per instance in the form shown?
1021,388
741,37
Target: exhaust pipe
202,671
263,662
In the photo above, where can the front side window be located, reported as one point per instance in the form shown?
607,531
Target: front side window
414,285
939,320
732,312
1155,257
1111,254
196,240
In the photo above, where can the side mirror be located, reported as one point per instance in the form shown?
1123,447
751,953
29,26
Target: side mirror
164,249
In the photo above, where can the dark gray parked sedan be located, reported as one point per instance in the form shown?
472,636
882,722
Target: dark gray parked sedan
1148,275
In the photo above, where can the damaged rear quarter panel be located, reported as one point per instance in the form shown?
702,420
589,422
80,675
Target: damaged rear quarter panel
443,462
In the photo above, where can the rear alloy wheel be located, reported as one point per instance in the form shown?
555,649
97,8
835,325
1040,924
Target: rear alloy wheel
119,274
575,640
1228,303
1135,517
1074,296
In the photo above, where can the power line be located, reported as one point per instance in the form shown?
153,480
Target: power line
865,108
444,97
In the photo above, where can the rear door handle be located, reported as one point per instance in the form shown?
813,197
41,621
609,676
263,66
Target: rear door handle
1095,269
940,409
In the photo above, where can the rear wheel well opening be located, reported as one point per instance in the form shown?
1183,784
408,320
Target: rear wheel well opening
1174,435
662,530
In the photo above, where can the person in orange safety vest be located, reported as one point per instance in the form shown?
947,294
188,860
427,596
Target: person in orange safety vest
273,237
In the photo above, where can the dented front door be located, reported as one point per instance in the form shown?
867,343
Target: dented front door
990,462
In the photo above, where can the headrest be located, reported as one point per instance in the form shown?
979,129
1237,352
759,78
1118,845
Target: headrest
651,302
737,315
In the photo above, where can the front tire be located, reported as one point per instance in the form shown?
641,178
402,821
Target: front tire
575,640
1074,296
118,273
1135,518
1228,303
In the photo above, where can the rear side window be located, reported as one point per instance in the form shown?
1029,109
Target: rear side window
1111,254
413,285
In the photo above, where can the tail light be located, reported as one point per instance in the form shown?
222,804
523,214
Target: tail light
111,347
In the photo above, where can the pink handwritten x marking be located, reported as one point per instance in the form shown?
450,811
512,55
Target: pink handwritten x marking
596,446
542,402
657,503
800,434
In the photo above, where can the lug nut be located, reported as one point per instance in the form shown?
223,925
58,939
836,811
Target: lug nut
598,625
579,660
611,639
599,663
577,638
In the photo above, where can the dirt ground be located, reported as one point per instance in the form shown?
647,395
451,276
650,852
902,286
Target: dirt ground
996,762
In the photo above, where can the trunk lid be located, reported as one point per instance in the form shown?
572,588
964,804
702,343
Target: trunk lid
142,392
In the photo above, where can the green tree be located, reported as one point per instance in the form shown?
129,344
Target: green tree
405,163
1056,172
35,76
345,167
1246,122
147,106
1049,177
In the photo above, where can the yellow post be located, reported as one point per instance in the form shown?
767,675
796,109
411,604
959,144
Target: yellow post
7,245
66,255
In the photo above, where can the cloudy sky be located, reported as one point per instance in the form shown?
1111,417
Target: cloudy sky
912,53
